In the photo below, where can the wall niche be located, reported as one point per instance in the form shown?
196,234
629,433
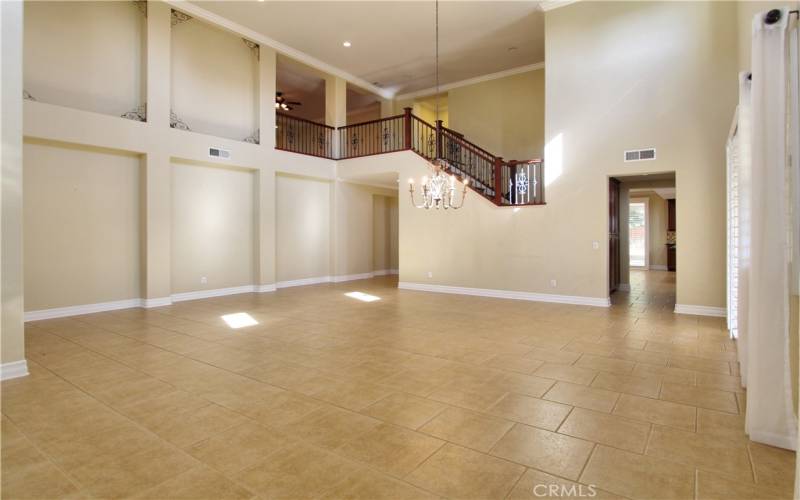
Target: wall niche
86,55
214,80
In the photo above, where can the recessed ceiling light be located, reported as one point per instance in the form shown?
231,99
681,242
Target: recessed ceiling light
346,43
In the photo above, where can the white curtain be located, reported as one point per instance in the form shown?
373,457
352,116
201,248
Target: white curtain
765,340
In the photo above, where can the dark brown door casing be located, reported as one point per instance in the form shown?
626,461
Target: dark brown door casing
613,235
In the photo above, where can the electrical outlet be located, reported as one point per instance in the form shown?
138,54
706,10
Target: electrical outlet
430,274
595,245
553,283
203,280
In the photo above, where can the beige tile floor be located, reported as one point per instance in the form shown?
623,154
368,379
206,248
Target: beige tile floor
416,395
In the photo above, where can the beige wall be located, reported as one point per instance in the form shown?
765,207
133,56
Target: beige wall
85,55
212,227
384,233
610,86
303,229
503,116
214,80
82,225
12,340
678,97
353,206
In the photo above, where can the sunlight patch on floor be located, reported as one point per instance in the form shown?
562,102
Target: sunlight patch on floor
239,320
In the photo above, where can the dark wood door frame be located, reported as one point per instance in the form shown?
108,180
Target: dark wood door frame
613,235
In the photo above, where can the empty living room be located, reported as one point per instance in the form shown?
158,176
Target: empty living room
402,249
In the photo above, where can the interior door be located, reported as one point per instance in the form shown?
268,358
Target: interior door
613,235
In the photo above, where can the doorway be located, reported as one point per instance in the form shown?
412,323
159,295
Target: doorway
641,239
638,233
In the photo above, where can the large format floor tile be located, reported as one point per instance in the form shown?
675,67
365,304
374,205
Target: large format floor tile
413,396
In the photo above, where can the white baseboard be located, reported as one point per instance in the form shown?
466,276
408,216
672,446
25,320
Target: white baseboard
61,312
157,302
658,267
353,277
508,294
719,312
333,279
385,272
781,441
624,287
303,282
217,292
14,369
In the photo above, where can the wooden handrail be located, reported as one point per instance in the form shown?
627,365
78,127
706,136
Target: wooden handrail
359,124
471,144
297,118
490,176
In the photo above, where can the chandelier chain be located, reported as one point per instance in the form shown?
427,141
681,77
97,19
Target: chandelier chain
436,7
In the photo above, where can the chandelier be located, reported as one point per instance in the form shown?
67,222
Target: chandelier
438,191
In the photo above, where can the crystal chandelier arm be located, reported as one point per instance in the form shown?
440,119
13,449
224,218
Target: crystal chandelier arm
463,196
413,202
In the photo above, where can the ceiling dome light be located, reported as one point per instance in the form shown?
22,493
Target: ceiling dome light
346,43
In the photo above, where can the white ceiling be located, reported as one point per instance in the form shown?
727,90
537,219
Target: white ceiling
393,42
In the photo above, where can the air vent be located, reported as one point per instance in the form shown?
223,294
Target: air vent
640,154
219,153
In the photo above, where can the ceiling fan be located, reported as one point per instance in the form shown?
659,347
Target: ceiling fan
282,103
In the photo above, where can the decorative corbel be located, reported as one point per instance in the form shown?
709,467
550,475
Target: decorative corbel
139,114
179,17
255,138
177,123
254,47
142,6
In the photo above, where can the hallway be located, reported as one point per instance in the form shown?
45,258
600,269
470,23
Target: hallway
651,293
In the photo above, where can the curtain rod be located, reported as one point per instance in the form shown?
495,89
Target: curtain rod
774,15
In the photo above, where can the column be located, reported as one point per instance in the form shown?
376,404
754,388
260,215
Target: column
156,165
12,336
157,186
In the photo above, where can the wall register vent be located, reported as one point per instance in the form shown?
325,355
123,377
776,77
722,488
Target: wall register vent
219,153
640,154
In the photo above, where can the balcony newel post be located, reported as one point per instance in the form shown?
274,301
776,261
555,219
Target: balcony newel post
407,128
439,126
498,180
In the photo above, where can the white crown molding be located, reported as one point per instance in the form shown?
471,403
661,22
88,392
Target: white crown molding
14,369
555,4
718,312
508,294
472,81
201,13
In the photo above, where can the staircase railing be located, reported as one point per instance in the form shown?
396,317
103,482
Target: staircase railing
385,135
505,183
299,135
